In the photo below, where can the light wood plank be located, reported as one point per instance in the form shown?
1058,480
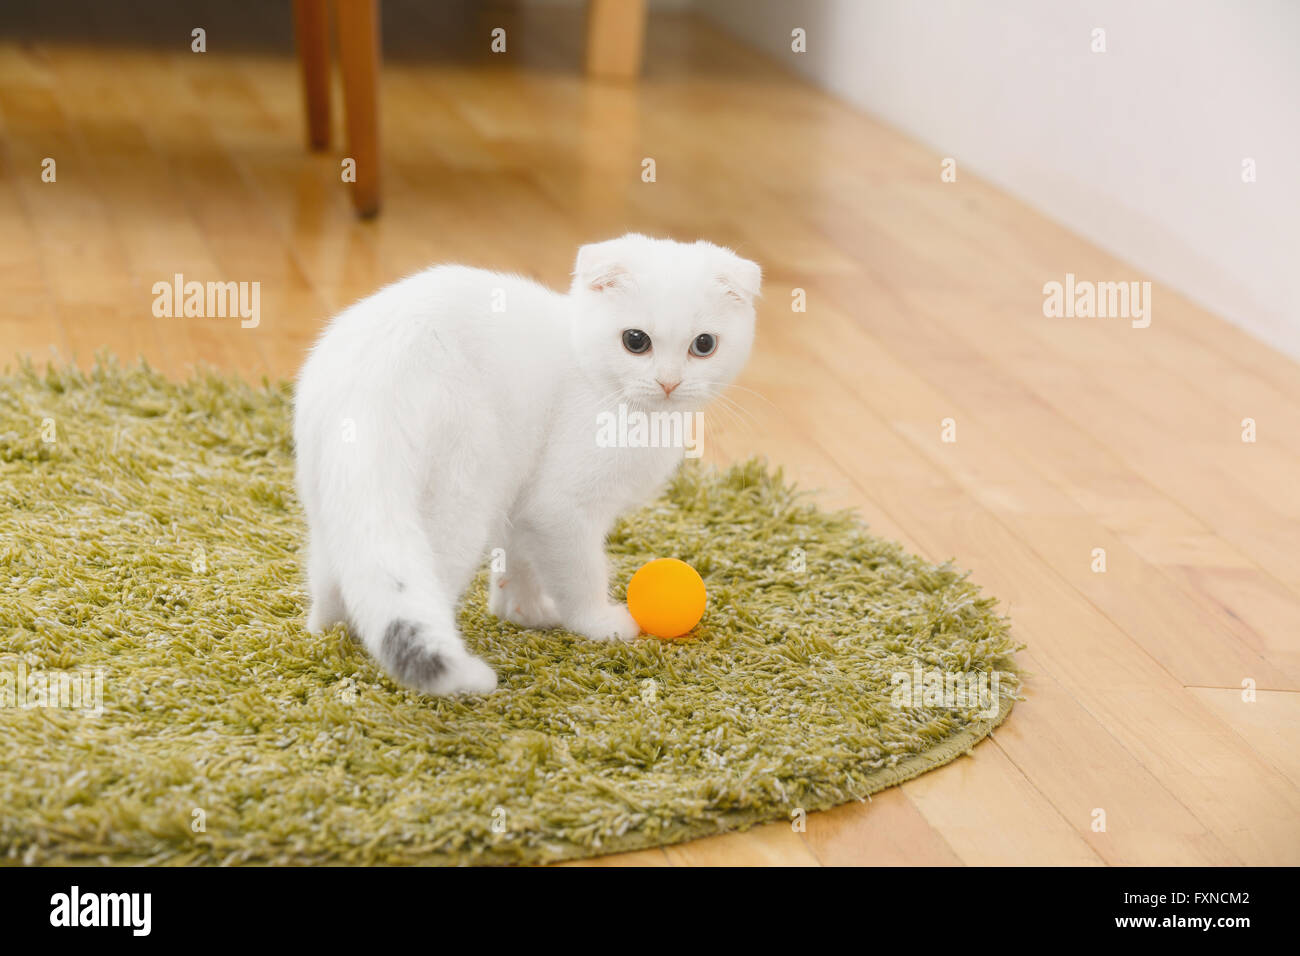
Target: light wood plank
774,844
1267,723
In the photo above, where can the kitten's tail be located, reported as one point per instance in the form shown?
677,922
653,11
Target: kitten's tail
394,599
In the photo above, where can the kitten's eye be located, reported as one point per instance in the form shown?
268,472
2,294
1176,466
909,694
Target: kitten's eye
636,341
704,344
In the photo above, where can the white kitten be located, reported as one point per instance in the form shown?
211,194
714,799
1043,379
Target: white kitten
455,412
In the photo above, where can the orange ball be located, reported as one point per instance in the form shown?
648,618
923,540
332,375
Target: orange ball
666,597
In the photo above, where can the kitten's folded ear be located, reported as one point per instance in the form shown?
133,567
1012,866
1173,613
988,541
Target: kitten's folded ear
742,279
601,267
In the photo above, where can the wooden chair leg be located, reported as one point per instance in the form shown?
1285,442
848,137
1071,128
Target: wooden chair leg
359,58
615,38
311,26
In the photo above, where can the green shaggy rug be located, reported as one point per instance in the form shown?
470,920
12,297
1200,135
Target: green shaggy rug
160,700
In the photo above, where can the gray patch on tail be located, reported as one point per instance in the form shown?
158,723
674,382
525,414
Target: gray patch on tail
406,657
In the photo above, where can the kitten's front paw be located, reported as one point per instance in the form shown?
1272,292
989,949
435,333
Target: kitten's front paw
612,623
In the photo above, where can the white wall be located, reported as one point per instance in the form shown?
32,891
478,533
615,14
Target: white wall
1139,149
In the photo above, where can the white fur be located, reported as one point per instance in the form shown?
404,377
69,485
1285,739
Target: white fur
431,428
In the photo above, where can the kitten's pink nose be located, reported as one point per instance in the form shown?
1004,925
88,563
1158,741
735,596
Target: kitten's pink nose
668,389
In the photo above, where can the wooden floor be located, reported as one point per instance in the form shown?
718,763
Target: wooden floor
924,303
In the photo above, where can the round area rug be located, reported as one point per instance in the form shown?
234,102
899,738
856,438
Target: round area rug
160,700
